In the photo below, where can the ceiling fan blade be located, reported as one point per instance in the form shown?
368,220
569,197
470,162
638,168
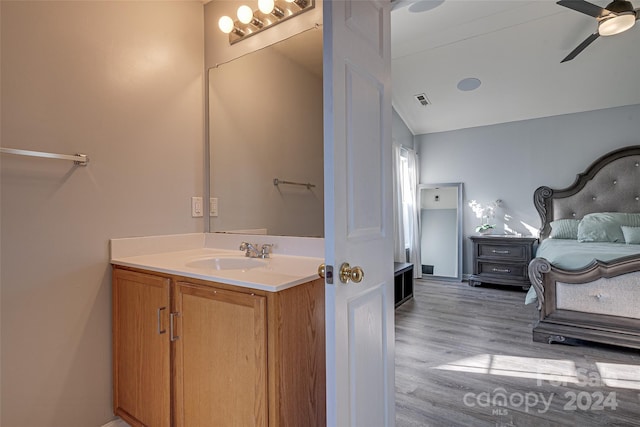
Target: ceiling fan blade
584,7
581,47
397,4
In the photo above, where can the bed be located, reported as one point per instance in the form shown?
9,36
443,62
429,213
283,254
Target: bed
586,274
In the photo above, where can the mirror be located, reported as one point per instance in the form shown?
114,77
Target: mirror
266,124
441,230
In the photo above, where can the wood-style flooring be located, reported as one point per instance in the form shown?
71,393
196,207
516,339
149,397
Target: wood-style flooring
465,357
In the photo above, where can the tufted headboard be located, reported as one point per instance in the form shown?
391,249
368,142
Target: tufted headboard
610,184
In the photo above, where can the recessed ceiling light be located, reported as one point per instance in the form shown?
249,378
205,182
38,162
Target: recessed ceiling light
424,5
470,83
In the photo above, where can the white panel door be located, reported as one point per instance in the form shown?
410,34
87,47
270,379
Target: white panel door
358,215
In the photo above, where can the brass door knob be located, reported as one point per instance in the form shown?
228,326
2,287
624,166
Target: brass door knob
321,270
347,273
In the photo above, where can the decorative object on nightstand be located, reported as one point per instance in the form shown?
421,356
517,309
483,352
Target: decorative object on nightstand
502,260
485,212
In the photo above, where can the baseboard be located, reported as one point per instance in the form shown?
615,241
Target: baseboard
116,423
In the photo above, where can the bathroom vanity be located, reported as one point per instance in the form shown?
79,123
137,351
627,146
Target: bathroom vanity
222,340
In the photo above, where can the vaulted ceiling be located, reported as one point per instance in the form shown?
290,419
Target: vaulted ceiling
514,48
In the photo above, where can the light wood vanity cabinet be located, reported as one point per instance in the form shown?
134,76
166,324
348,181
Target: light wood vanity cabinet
217,355
141,368
221,357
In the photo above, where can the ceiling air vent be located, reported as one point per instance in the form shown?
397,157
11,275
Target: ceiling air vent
422,99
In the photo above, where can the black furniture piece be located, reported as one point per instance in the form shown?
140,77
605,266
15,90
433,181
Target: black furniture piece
403,282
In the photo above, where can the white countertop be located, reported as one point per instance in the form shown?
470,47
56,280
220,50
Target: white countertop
193,259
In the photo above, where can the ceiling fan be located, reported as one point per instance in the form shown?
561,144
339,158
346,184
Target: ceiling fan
617,17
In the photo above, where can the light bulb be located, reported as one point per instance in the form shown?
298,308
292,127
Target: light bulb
225,24
266,6
245,14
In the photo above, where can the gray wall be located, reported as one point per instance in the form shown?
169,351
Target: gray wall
509,161
123,83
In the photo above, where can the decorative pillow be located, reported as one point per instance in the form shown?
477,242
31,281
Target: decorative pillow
564,229
631,235
602,227
632,220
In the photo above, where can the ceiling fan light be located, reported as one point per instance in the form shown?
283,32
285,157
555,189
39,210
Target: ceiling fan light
616,24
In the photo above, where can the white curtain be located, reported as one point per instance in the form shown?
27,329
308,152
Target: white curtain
399,252
413,214
406,212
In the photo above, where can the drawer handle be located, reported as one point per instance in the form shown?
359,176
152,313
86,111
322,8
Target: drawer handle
172,335
496,251
160,330
501,270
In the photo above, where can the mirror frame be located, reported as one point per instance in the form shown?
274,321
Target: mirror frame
459,219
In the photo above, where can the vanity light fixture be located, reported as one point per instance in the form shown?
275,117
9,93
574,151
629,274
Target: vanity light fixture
301,3
268,14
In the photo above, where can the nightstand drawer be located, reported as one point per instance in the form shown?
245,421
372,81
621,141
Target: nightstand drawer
503,270
502,260
505,252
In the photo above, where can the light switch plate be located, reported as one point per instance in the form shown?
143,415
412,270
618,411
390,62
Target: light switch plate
196,207
213,206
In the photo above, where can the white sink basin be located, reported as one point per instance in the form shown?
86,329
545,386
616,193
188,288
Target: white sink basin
226,263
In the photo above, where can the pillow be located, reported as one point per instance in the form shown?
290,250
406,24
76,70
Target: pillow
602,227
564,229
632,220
631,235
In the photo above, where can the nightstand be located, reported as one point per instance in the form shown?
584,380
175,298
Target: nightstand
502,260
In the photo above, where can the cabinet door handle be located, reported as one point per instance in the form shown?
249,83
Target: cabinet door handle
496,251
160,330
501,270
172,335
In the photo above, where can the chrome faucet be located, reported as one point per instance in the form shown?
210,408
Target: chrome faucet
253,252
265,250
250,249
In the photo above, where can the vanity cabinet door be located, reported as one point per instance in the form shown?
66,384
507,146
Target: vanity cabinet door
141,389
220,365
